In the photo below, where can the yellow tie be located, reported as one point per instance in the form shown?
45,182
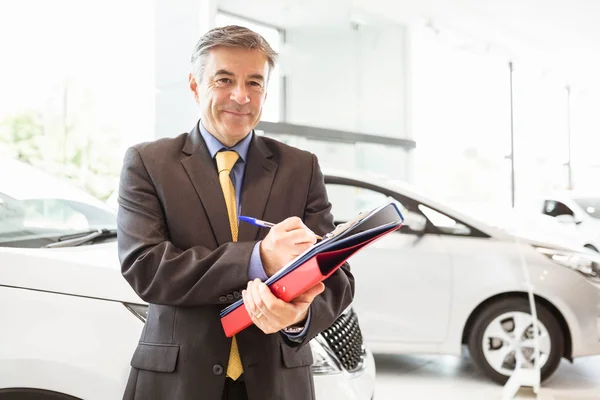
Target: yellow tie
225,162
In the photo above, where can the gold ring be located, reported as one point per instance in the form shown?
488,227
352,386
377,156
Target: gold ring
257,316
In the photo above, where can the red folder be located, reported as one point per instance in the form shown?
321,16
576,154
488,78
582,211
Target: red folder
316,269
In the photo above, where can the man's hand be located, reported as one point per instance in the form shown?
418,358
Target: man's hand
271,314
284,242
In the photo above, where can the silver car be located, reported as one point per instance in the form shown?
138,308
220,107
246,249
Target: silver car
445,280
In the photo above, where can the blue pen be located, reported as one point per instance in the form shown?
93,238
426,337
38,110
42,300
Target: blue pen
262,224
257,222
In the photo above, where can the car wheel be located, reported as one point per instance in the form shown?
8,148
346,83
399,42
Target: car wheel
33,394
503,334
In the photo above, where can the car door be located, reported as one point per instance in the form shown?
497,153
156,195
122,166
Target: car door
403,280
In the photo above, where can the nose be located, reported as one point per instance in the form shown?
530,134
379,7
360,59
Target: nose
240,94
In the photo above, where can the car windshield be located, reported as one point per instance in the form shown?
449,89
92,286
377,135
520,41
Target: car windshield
36,209
590,205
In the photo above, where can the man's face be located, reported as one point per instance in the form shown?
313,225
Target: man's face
231,92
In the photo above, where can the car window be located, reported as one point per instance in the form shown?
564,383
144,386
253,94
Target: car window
348,201
11,214
32,219
57,213
444,223
37,208
555,208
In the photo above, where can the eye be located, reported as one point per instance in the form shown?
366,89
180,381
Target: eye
224,80
253,83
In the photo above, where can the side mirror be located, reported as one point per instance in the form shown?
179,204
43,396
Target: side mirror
415,222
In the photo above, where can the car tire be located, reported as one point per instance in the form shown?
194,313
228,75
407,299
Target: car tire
509,312
33,394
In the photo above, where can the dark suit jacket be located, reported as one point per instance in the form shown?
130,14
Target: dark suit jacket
176,251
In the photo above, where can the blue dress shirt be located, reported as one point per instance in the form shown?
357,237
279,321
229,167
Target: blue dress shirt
255,268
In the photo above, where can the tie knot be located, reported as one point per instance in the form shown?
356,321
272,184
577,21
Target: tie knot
226,160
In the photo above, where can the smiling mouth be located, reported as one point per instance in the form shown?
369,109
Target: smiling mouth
236,113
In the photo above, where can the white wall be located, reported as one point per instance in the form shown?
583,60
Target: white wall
348,79
178,26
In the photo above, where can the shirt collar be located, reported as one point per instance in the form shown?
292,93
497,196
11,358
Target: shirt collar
214,146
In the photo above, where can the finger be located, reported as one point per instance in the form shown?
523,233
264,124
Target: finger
263,318
317,289
257,300
247,300
300,248
300,235
289,224
272,305
279,313
252,307
260,306
309,295
257,319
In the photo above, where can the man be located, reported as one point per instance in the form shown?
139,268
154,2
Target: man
183,252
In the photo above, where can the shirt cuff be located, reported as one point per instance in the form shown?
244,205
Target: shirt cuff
298,337
256,269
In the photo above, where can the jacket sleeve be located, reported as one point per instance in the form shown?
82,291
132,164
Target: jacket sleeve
158,271
339,287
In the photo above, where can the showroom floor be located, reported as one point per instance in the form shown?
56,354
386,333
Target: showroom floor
446,377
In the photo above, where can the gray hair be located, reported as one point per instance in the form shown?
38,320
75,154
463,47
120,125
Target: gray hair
229,36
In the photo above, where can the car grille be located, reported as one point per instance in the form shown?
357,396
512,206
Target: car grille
346,340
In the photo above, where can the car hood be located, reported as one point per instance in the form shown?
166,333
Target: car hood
90,271
539,230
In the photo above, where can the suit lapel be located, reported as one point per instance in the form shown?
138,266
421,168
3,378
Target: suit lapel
258,179
202,172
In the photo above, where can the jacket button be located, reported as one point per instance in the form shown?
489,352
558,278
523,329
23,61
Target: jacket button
237,294
218,369
229,297
223,298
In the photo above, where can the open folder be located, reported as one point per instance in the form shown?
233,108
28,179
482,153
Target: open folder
320,261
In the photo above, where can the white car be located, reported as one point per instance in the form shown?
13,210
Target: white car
446,279
70,322
577,213
522,222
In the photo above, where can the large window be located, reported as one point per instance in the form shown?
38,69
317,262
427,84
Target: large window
77,86
585,135
541,134
273,104
391,162
461,121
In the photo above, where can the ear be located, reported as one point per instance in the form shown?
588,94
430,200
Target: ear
193,86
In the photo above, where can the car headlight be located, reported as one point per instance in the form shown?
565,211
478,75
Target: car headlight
324,363
586,264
